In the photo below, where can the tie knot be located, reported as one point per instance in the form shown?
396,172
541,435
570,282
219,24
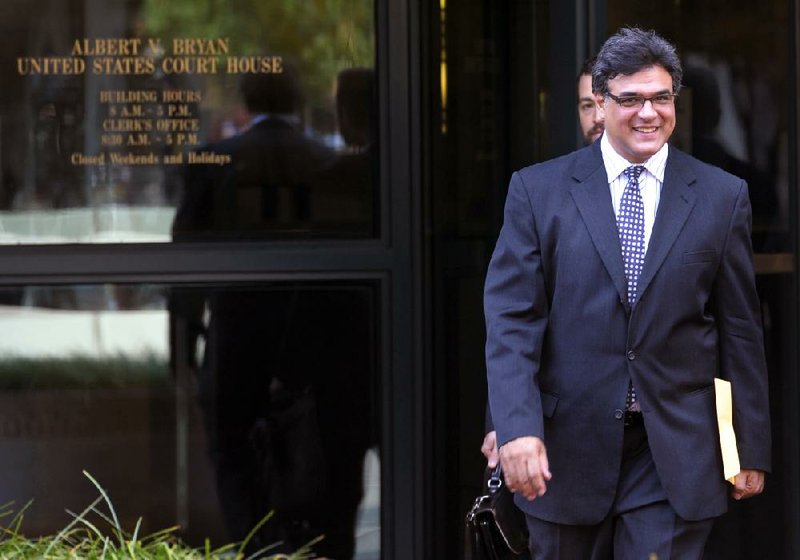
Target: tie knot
633,172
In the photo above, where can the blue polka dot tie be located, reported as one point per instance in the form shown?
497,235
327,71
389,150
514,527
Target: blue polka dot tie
630,221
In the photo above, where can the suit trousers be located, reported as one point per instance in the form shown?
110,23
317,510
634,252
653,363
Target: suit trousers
640,526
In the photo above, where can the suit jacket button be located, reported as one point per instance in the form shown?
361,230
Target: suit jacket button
618,414
631,355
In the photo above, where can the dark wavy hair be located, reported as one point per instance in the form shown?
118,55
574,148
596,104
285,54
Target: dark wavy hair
586,68
631,50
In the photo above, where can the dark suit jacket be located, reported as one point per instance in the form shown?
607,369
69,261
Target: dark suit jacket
562,341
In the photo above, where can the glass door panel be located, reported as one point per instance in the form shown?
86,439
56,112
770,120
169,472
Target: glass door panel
204,407
251,119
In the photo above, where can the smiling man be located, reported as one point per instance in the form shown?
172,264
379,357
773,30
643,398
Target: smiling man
621,285
641,115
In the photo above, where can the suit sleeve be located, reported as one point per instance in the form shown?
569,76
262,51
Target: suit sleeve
516,310
741,344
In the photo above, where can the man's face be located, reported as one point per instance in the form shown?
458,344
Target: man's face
590,117
637,133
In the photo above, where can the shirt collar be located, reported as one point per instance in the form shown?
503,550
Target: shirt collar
615,164
290,119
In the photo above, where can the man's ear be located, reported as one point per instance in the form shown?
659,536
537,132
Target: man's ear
600,100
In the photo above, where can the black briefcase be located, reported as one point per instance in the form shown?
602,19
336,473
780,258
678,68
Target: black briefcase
495,527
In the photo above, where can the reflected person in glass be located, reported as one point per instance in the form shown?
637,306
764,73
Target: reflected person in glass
345,197
257,183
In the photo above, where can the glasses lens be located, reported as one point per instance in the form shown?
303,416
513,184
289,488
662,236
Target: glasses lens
630,102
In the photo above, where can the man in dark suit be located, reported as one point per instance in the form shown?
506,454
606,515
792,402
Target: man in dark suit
621,285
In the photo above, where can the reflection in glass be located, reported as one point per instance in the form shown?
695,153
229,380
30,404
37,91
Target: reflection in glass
203,407
272,178
107,153
83,371
286,385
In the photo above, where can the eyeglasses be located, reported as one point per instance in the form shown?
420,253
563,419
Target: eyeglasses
637,101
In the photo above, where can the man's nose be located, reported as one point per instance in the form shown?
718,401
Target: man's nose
647,110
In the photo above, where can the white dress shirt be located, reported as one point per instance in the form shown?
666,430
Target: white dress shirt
650,181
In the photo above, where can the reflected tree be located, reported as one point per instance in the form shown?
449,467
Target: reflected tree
323,36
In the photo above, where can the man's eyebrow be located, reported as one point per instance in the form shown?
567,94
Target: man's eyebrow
637,94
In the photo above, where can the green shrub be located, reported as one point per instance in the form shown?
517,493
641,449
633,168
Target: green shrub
96,534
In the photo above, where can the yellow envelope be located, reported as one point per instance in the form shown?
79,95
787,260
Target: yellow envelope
727,437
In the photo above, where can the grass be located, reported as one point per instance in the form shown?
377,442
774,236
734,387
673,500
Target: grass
97,534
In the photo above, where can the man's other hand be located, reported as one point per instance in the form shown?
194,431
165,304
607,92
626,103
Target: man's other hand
489,449
748,483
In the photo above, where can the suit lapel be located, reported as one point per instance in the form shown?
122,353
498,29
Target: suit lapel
675,205
593,199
